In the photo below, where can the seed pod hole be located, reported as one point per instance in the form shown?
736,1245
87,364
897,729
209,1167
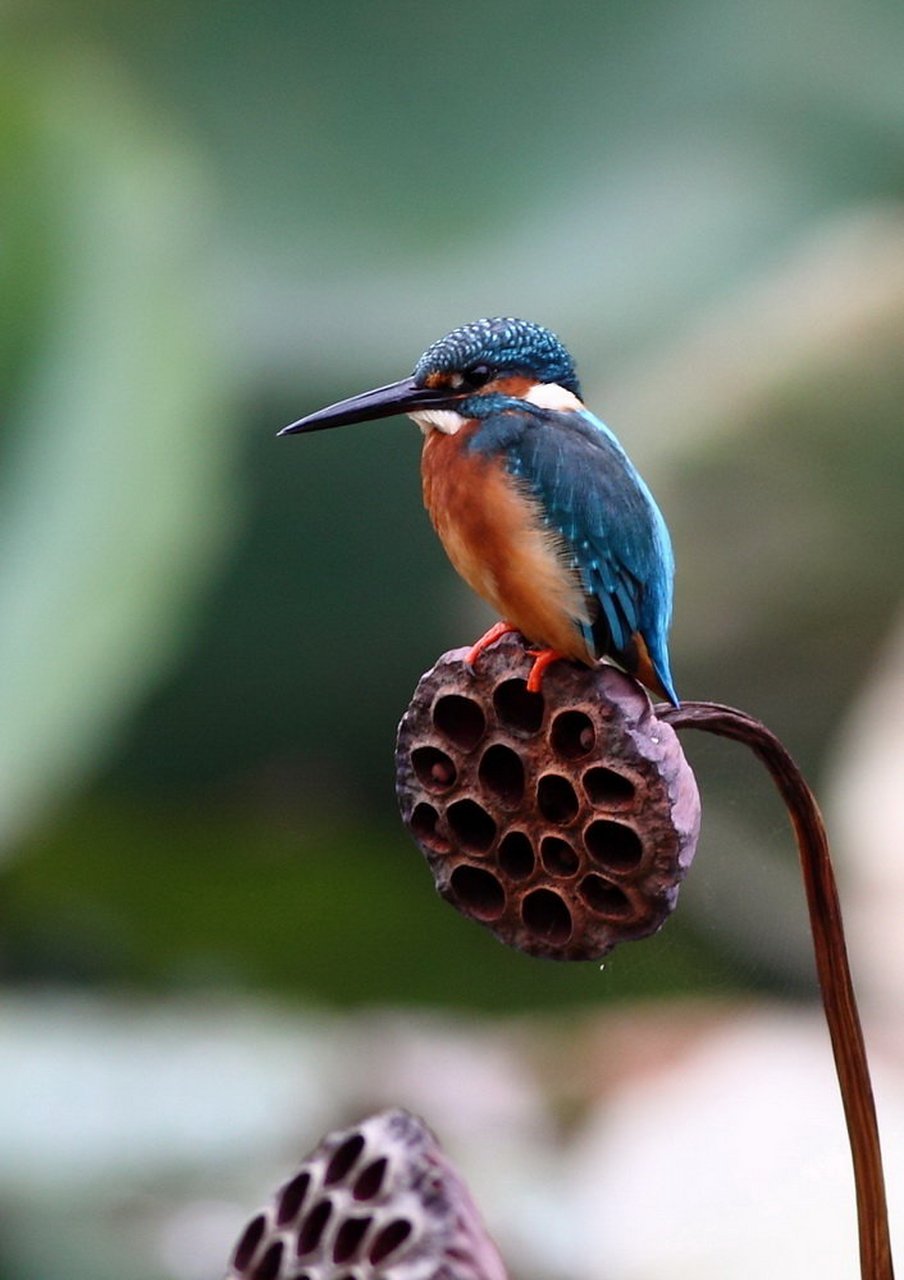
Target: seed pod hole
613,844
557,799
424,821
474,829
546,916
516,855
369,1181
393,1235
558,857
606,787
268,1267
291,1198
434,768
251,1238
343,1158
573,735
312,1226
460,720
603,897
517,708
502,773
349,1237
479,892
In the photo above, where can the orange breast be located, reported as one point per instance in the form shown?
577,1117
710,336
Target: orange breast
494,535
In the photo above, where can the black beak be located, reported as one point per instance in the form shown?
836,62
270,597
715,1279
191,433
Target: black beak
382,402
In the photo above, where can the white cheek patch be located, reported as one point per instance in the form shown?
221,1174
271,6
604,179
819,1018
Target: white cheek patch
545,395
445,420
549,395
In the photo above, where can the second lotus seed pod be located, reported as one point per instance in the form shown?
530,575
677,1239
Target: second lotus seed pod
380,1201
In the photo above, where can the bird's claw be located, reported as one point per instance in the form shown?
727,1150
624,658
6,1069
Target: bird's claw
543,658
488,638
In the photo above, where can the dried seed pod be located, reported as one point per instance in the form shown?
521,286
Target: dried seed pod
564,821
377,1200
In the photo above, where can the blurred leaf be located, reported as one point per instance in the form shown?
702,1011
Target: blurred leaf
112,500
186,897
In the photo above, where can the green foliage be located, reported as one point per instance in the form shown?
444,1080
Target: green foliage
189,898
116,441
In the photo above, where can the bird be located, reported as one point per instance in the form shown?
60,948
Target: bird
534,499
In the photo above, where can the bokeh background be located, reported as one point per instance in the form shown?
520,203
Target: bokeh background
215,940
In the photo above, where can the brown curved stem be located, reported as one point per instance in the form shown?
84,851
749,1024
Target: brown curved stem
839,1001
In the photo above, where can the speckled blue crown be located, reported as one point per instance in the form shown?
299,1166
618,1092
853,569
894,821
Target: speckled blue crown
504,343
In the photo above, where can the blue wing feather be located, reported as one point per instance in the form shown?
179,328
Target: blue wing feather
591,494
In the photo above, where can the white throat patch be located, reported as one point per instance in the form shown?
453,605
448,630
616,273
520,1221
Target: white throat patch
445,420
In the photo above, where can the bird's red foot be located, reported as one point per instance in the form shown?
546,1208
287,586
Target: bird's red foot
543,658
489,637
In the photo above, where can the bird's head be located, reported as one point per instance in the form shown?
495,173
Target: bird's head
470,372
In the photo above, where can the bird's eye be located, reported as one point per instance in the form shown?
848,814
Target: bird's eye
477,375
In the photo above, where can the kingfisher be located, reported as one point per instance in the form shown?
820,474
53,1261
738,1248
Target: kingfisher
535,501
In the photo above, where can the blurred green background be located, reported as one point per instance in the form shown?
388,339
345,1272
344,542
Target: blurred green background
214,218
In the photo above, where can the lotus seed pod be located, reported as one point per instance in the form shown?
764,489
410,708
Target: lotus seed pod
379,1201
565,820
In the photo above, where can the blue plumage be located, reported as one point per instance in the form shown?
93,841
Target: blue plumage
593,497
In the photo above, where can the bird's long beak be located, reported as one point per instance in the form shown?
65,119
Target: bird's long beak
382,402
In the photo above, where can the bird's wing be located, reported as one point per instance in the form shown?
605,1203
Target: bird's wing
590,493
